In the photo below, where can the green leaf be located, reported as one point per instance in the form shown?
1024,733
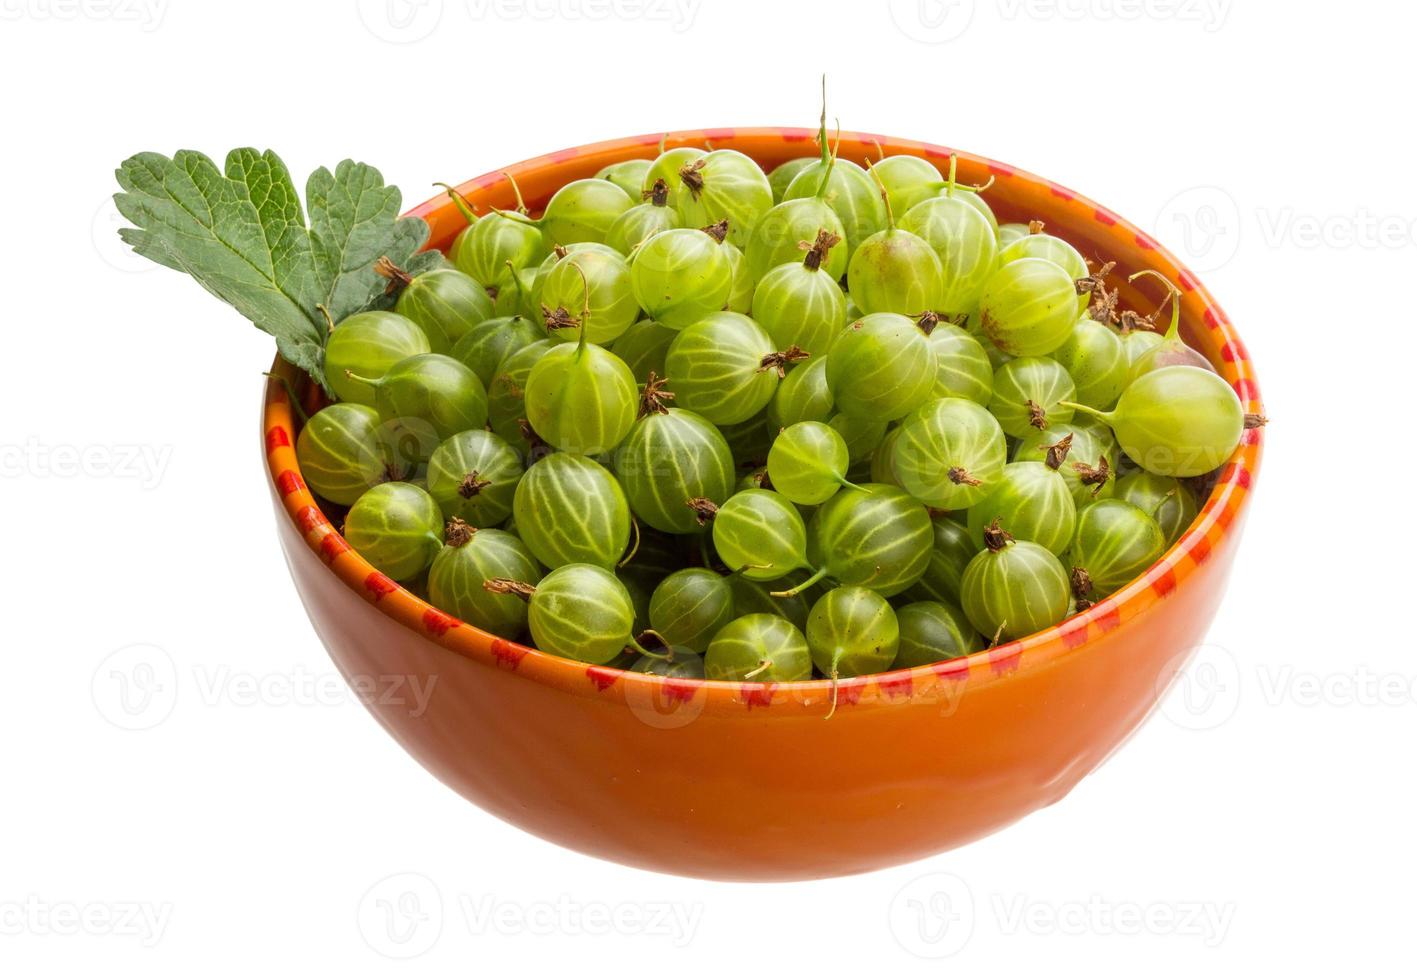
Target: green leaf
241,232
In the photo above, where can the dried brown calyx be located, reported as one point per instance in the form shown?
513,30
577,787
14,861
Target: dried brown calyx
398,279
508,586
1094,476
1036,416
654,398
393,473
458,532
960,476
1081,584
929,320
693,177
538,446
1103,307
718,231
817,250
472,485
658,195
560,251
1253,420
995,537
778,360
1035,227
704,509
1057,453
559,318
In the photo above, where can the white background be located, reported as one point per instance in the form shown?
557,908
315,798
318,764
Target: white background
255,821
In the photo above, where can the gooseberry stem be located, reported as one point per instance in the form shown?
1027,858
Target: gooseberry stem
509,586
398,279
807,582
463,205
885,197
521,204
1174,333
762,666
1096,413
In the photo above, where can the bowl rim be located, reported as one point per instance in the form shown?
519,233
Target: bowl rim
1218,516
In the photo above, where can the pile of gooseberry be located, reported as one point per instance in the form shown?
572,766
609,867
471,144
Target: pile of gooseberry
701,420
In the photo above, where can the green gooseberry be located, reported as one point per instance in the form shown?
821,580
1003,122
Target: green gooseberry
951,554
876,536
807,462
486,248
581,398
628,175
666,167
1031,393
644,347
1038,245
473,476
751,596
723,185
675,663
962,366
1028,307
506,395
671,458
689,607
579,611
933,631
485,346
680,276
1169,502
396,527
583,211
436,390
725,367
852,631
469,557
1013,588
1114,543
570,509
340,451
800,303
1096,360
595,282
781,175
366,345
446,302
1033,501
643,221
963,242
1176,421
758,647
760,535
882,367
740,297
862,436
949,453
802,396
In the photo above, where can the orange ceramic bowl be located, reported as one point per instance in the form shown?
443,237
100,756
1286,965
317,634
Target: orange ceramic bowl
754,782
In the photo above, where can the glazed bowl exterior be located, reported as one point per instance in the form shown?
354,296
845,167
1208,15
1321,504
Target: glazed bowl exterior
754,782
